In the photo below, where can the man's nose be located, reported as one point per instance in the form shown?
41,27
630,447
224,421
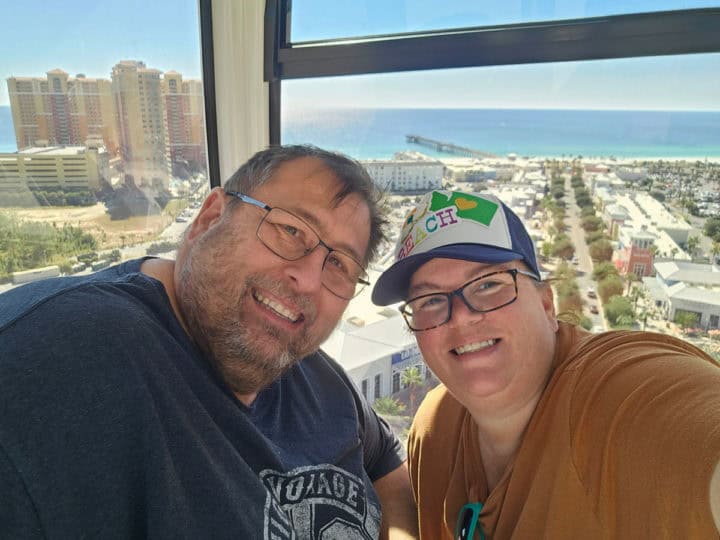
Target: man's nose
306,272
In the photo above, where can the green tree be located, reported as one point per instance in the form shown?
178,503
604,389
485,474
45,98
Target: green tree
636,295
610,286
593,236
604,269
712,228
686,319
715,251
30,244
586,322
564,272
600,250
388,406
618,311
693,243
583,200
412,379
546,250
592,223
658,195
571,302
563,248
630,278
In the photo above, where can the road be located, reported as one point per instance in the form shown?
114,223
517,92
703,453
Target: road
584,268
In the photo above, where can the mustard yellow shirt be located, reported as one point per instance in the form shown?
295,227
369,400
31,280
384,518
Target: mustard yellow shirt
621,445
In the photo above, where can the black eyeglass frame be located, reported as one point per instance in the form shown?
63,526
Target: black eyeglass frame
249,200
459,293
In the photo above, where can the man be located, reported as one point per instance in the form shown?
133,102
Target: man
541,429
188,398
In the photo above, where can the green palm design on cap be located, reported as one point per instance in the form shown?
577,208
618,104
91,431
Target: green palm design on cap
468,206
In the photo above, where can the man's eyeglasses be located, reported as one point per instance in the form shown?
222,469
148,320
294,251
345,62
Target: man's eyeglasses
467,523
291,238
485,293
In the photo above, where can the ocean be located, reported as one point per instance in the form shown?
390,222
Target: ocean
379,133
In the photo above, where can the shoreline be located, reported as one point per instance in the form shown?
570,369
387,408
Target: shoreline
585,159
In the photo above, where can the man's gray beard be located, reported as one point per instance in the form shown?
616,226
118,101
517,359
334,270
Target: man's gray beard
230,346
242,363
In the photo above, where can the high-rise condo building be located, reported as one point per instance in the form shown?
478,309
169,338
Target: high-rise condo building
92,112
62,110
184,119
136,91
139,115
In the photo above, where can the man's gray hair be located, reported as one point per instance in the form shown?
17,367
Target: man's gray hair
352,176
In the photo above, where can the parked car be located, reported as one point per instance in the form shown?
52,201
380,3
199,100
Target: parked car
591,293
594,309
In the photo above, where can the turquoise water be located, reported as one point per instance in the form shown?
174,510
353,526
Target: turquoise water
379,133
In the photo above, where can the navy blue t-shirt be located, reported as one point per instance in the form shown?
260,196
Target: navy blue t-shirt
113,425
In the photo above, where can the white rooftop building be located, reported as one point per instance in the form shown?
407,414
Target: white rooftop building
641,212
680,286
406,174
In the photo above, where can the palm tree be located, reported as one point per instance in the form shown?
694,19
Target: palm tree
637,294
630,278
412,379
692,244
715,250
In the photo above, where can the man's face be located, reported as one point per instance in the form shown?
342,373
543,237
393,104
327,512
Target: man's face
501,357
253,312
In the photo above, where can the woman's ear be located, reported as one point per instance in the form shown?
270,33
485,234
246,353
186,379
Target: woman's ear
548,302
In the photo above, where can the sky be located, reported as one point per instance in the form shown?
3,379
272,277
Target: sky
91,37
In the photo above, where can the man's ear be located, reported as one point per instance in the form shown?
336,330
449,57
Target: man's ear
210,213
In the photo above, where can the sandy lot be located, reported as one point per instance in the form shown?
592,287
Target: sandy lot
95,220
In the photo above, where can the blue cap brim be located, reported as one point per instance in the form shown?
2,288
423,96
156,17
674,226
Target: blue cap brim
392,285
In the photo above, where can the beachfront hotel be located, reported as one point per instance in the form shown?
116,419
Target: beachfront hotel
149,118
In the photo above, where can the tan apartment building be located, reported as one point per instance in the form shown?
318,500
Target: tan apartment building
137,95
28,105
92,112
184,118
144,119
54,168
62,110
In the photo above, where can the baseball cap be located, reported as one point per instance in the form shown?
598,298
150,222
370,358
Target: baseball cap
454,225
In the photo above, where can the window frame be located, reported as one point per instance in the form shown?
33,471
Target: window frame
660,33
209,96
